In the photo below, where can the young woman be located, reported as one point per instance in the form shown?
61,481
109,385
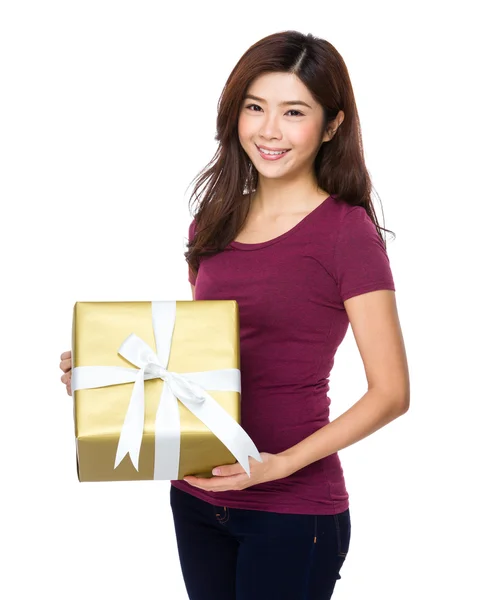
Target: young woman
286,227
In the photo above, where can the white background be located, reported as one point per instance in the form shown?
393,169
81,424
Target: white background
107,114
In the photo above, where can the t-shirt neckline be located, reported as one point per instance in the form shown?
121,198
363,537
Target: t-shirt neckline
278,238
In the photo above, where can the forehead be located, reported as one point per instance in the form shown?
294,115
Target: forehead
279,86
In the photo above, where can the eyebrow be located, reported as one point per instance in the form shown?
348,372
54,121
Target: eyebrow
287,103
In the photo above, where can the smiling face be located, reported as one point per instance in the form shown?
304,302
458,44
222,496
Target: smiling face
278,113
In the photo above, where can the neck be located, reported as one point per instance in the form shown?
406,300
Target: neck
275,197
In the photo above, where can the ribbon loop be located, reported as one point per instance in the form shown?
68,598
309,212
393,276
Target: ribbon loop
137,352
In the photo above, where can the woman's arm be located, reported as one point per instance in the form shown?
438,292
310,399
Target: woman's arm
375,324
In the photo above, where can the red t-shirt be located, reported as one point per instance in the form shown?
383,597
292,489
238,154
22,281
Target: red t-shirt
290,291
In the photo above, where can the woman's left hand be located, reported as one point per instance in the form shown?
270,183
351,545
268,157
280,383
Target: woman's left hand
233,477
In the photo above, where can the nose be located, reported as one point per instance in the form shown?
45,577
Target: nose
270,128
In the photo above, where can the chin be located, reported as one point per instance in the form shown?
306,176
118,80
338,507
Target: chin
280,176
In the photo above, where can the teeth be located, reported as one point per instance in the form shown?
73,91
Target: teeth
271,152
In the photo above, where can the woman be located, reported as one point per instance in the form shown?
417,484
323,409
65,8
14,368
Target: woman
286,227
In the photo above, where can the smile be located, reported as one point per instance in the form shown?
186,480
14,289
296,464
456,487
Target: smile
271,154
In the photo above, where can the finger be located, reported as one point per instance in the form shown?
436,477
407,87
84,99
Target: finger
66,377
69,391
200,482
66,365
215,484
228,470
66,354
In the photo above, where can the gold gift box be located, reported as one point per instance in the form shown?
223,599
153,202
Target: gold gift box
205,337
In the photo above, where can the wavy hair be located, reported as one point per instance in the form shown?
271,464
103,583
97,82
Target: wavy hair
224,188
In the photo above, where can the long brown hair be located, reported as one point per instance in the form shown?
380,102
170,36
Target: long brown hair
224,188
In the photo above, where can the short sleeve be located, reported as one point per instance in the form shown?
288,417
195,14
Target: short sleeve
192,231
361,263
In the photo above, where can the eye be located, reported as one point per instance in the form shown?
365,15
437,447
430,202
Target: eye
299,113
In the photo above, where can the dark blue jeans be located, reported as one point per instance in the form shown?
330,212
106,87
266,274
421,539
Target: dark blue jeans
237,554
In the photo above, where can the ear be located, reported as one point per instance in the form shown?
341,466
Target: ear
327,136
332,127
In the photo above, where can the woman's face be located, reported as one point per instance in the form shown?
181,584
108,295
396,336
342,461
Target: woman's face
279,113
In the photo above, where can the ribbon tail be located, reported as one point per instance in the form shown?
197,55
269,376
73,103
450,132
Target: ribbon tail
131,434
225,428
167,437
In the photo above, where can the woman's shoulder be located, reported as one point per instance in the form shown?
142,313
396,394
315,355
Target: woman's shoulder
341,210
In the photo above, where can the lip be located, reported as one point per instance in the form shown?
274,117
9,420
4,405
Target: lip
272,149
273,156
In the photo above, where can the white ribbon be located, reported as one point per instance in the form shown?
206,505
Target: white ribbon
189,388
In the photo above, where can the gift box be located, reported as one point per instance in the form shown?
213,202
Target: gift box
156,389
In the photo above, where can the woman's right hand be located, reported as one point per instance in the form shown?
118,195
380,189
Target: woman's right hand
66,366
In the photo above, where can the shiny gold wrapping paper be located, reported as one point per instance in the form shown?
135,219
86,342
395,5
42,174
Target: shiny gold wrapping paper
205,337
